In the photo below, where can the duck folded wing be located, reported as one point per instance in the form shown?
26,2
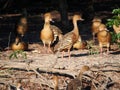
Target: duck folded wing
66,42
56,32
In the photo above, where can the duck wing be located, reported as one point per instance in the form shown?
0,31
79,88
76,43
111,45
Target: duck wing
66,42
56,32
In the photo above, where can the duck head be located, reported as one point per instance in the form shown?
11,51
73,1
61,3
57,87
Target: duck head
77,17
23,20
48,17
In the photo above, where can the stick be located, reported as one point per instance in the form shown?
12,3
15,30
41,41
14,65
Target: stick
9,40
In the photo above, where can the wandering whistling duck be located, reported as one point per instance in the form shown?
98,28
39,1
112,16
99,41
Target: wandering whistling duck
22,26
95,24
19,45
70,38
49,33
103,37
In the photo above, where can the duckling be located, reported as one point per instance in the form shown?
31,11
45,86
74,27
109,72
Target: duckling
49,33
76,84
19,45
95,24
70,38
80,44
104,38
22,26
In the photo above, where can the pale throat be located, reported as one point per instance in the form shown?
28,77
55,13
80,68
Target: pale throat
75,27
47,25
75,24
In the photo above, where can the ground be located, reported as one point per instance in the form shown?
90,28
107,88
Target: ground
36,72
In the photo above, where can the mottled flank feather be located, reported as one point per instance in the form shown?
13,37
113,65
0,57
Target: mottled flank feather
66,43
56,32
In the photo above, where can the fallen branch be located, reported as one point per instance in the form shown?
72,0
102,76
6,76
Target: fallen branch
65,71
10,15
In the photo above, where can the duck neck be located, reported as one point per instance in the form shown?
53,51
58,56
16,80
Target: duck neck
75,30
17,42
47,25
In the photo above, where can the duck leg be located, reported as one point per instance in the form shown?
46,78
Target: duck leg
44,46
94,37
69,54
49,49
108,45
107,51
101,49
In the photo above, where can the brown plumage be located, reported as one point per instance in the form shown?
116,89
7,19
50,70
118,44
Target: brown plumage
19,45
116,29
49,33
95,24
22,26
70,38
23,20
80,44
103,37
76,84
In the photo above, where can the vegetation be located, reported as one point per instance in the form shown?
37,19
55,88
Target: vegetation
92,48
18,53
115,20
115,37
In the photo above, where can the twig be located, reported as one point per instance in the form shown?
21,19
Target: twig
9,39
6,4
42,78
10,15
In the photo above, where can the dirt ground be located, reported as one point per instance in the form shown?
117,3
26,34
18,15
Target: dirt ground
30,80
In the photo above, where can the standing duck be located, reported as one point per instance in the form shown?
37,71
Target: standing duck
19,45
22,26
49,33
95,24
103,37
70,38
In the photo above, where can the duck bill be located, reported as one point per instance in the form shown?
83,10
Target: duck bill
82,19
52,21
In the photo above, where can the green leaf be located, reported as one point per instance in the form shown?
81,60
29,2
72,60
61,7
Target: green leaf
115,20
16,53
116,11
